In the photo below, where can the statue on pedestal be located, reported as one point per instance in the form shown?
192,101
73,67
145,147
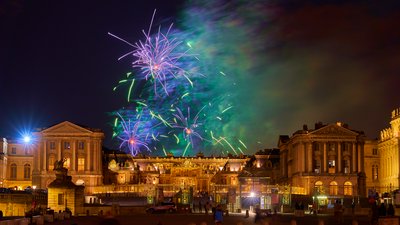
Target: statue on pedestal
59,167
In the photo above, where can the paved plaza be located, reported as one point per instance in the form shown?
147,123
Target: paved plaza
197,219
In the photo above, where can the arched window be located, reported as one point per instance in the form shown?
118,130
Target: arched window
333,188
27,171
13,171
348,188
318,187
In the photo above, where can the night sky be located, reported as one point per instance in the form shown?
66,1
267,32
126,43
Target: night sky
336,61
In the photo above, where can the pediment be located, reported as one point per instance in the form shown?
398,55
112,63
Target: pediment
66,127
334,130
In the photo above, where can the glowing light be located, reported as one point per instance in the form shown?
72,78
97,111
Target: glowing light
27,139
252,194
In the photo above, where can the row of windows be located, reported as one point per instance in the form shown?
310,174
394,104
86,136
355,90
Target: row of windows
333,188
14,151
27,171
67,163
345,146
67,145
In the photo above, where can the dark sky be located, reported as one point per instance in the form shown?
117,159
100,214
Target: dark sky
57,62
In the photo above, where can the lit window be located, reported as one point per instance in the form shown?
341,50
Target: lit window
51,163
331,164
67,163
27,171
318,187
13,171
52,145
348,188
81,164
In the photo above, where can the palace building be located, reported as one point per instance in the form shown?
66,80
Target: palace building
388,166
328,161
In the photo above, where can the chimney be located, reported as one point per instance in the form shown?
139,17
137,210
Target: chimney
305,127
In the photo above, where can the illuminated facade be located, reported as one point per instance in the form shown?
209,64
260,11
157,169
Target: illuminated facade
79,146
328,160
388,149
16,164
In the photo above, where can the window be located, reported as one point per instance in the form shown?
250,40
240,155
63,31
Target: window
374,151
374,172
333,188
67,163
13,171
60,199
346,164
348,188
318,187
81,164
27,171
67,145
81,145
52,145
13,150
317,165
331,164
51,162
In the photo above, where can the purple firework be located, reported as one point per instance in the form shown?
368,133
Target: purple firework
157,57
189,127
132,137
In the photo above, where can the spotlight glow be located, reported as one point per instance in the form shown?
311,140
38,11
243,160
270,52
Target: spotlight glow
27,139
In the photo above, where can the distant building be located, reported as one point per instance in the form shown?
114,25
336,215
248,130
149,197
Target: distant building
388,150
327,161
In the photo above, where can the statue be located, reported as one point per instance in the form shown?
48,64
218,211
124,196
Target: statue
59,165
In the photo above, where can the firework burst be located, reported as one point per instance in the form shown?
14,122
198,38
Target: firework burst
158,57
190,127
134,135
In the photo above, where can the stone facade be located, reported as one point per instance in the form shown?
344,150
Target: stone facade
388,149
327,160
79,146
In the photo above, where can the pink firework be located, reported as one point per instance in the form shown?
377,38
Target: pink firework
157,57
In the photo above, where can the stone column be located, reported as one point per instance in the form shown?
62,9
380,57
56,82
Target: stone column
88,164
353,158
309,157
360,154
339,163
361,162
95,155
324,159
73,160
44,168
59,149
